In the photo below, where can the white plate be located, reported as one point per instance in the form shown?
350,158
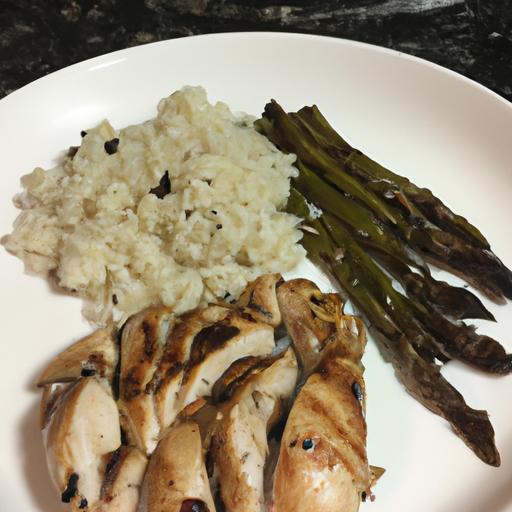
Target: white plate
421,120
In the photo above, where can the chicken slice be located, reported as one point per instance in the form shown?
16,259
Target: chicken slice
120,490
239,444
322,462
216,347
82,431
95,354
142,343
50,399
308,316
176,479
167,379
260,301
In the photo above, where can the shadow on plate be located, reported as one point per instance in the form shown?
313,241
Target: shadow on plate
35,470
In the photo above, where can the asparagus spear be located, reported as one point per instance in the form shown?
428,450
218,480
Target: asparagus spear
458,340
422,379
459,248
432,207
421,322
453,301
283,124
375,235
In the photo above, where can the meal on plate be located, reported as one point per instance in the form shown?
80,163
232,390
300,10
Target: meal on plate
190,396
202,411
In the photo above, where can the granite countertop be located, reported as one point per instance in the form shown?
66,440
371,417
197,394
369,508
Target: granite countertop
472,37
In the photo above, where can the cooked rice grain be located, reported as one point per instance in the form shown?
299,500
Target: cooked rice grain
93,223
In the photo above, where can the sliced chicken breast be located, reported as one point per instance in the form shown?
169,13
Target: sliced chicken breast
142,343
82,431
322,462
240,441
176,479
120,491
166,381
95,354
260,301
307,315
216,347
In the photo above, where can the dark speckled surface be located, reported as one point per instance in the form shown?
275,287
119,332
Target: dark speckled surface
472,37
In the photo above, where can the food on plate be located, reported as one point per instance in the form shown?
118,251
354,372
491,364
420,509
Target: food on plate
175,233
229,388
396,226
176,479
322,463
257,402
120,491
82,430
177,210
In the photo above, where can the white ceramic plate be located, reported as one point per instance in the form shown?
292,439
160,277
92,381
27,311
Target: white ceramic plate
436,127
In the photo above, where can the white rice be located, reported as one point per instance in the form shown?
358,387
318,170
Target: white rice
93,225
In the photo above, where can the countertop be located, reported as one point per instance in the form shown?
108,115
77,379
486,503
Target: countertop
472,37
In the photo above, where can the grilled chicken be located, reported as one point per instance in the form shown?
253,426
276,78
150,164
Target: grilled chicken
142,343
307,321
82,431
123,478
167,379
216,347
240,443
322,462
211,381
176,479
260,301
95,354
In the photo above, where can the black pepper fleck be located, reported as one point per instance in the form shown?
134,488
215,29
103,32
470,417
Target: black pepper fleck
115,299
357,391
163,188
83,503
214,212
307,444
293,444
83,133
363,496
111,146
219,226
88,372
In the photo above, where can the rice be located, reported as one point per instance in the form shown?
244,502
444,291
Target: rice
102,227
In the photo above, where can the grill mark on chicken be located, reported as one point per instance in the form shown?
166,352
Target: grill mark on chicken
319,409
71,489
252,304
238,373
149,339
210,339
259,299
131,385
113,466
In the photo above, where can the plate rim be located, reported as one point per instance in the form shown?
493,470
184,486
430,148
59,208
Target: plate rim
100,59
